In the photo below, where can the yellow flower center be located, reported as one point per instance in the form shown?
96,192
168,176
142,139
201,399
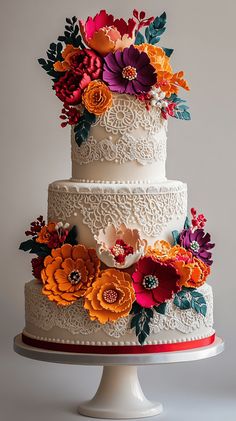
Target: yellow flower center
129,73
74,277
110,296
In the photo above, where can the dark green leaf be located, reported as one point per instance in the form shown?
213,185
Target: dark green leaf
161,309
142,337
139,39
42,62
74,19
81,129
168,51
53,46
72,236
136,308
26,245
175,235
69,21
140,322
135,320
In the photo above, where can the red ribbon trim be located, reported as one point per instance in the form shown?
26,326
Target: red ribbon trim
133,349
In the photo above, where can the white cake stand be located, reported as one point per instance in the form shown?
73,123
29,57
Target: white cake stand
119,394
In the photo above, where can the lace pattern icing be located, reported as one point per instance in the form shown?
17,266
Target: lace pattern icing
150,208
128,113
125,116
126,148
45,315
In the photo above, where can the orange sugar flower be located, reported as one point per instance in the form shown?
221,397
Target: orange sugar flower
192,274
97,97
163,251
157,56
110,297
67,53
44,235
68,272
170,83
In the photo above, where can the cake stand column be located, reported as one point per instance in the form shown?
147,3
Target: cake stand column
119,396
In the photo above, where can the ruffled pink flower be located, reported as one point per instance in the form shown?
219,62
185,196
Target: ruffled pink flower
104,33
154,282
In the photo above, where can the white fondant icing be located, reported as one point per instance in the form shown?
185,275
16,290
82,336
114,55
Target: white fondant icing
154,209
47,321
137,145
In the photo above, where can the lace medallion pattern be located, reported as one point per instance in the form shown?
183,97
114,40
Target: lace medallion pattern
126,115
45,315
151,208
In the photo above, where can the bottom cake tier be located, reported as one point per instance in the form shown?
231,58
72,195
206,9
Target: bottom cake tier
70,329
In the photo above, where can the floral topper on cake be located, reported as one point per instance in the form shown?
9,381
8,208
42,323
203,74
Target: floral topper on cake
102,55
123,275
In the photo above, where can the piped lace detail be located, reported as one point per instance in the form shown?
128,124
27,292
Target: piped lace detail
128,113
126,148
46,315
138,135
150,208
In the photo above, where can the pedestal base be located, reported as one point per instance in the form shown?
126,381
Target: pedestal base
120,396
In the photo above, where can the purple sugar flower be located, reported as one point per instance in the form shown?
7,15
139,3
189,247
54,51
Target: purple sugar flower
198,243
129,71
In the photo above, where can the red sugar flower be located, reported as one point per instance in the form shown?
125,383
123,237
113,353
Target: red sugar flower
154,282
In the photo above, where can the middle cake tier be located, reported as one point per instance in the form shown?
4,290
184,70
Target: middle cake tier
154,209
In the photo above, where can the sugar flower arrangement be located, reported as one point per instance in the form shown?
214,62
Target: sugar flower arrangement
123,275
104,55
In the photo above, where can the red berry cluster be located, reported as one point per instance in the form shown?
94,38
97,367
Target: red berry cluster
36,226
70,115
140,16
198,221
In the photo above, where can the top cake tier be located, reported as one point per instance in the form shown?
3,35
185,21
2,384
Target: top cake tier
127,143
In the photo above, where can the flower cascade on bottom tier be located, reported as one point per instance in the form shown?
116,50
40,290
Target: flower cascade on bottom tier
123,275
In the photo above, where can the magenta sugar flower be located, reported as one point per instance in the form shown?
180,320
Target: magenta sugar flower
198,242
129,71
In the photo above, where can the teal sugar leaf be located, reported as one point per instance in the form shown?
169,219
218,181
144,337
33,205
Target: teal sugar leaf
168,51
156,28
81,129
161,309
199,303
187,224
183,300
175,235
190,298
139,39
140,322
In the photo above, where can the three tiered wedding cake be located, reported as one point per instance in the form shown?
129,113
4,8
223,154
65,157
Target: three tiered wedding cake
119,267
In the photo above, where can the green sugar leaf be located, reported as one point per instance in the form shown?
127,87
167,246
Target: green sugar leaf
161,309
139,39
175,235
140,322
168,51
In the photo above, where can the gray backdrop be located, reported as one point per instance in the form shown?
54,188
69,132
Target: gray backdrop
36,151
